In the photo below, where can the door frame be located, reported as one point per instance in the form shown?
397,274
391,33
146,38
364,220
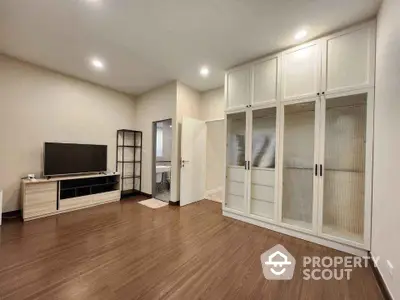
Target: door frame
154,156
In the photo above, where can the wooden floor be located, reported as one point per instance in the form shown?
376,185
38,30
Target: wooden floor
128,251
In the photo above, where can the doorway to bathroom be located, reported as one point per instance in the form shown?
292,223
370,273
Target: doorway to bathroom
162,153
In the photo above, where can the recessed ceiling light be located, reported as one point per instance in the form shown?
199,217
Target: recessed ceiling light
300,35
97,63
204,71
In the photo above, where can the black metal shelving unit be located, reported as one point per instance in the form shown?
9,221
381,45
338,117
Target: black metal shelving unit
129,144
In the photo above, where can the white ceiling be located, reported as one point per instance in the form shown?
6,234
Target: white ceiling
146,43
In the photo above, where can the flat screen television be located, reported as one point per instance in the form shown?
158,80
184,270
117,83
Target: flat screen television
65,159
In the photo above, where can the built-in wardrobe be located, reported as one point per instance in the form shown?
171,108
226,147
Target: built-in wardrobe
299,140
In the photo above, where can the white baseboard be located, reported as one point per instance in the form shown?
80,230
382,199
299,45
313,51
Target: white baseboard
214,194
297,234
381,281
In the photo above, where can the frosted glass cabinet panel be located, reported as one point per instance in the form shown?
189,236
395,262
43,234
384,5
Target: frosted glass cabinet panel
344,167
236,160
236,139
263,152
298,164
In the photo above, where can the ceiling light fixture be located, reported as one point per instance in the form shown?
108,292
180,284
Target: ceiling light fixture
300,35
204,71
97,63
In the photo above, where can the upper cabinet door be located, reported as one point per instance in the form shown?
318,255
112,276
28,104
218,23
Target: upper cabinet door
266,80
349,59
301,71
238,88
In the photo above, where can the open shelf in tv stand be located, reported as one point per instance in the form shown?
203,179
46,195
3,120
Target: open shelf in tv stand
79,187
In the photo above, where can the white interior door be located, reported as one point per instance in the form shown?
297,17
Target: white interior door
193,160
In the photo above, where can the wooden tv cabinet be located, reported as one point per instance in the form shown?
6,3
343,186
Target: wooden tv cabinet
46,197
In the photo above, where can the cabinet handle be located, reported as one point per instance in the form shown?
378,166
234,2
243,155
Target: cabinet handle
248,165
323,93
320,170
316,170
245,165
317,94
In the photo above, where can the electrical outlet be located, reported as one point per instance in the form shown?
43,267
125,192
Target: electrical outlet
390,267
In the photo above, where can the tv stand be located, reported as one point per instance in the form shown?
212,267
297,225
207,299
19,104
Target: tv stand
46,197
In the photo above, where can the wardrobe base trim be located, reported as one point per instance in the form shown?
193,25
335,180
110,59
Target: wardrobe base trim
296,234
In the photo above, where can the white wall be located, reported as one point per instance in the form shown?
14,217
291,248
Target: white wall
215,159
37,105
188,105
212,110
156,105
386,203
212,105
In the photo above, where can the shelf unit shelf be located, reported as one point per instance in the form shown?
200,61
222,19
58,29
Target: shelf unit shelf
129,161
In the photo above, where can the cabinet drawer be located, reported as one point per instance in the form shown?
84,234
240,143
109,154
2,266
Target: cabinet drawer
36,197
106,197
73,203
262,208
38,210
40,187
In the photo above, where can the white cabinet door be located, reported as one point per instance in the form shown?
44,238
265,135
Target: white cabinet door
346,166
349,59
262,154
301,71
298,159
266,80
238,88
236,179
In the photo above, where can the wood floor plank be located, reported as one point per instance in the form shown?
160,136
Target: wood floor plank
128,251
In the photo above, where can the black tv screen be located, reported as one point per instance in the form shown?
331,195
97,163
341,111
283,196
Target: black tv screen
63,158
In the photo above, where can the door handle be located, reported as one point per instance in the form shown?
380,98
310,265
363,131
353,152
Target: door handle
183,163
320,170
316,170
